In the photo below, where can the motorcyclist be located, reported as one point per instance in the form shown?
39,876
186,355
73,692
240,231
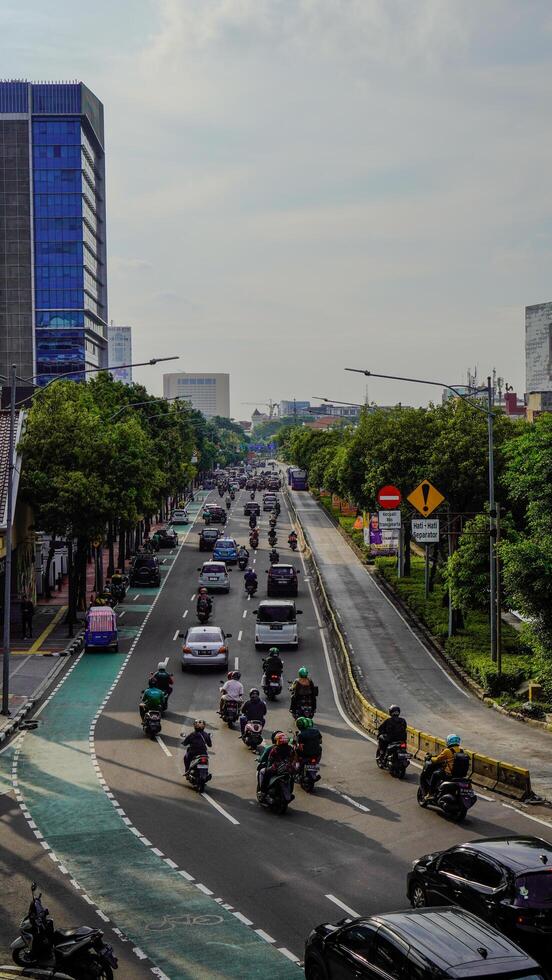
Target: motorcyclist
196,742
243,553
117,578
272,664
232,689
274,556
228,502
252,495
254,709
250,578
452,762
153,699
303,689
308,740
162,680
252,521
281,753
204,602
292,536
393,729
254,538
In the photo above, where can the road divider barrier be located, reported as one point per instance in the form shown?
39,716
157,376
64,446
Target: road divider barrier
488,773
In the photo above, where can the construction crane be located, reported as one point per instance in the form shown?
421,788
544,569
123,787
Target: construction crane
270,404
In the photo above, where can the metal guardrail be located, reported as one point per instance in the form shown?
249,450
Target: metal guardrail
490,773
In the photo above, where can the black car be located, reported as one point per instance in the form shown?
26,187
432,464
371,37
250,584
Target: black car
166,537
282,580
208,537
506,880
252,507
215,514
418,944
145,571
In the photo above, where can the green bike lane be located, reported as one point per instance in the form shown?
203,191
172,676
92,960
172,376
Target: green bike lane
173,921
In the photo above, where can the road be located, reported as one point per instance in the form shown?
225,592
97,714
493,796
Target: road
215,885
394,665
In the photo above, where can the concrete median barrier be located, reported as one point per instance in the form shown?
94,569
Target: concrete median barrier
486,772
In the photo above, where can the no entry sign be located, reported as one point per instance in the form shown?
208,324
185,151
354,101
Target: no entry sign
389,497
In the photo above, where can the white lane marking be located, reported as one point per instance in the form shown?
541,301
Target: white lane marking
137,596
286,952
204,889
220,809
139,953
240,634
175,637
122,614
254,561
346,908
243,918
529,816
160,742
359,806
193,597
245,611
184,614
264,935
236,662
165,662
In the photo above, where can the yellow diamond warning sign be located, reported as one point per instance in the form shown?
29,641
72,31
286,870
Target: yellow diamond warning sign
425,498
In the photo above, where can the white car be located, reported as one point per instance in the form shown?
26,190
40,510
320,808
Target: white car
180,516
205,646
276,623
214,576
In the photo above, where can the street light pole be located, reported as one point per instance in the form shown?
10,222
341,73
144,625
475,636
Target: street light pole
488,411
8,544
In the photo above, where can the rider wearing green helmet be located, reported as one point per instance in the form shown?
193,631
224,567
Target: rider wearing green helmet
303,694
308,740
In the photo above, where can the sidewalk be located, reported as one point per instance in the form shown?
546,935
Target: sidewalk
393,665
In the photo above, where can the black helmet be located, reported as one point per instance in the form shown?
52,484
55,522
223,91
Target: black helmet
394,709
236,674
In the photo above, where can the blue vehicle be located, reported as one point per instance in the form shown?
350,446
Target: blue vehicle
226,550
101,629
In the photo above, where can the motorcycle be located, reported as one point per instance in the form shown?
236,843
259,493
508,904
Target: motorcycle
272,686
243,561
118,591
394,758
79,953
274,557
198,774
203,613
453,796
279,793
309,773
293,543
228,502
252,521
253,735
232,495
251,588
272,539
151,724
230,711
252,495
254,540
303,709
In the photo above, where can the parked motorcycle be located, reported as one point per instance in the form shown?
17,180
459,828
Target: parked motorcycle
253,735
198,774
230,711
279,793
79,953
309,773
272,686
151,724
395,759
454,797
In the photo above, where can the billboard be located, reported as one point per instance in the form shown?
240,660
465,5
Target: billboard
380,540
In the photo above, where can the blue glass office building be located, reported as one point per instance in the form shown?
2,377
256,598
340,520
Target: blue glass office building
53,284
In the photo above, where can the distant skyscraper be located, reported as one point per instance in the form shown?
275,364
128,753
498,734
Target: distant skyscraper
209,393
119,346
53,282
538,347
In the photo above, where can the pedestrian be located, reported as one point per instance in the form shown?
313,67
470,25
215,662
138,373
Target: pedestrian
27,613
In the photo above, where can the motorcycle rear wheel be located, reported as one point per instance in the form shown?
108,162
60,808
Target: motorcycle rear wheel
22,957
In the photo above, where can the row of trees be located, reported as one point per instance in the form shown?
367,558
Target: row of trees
448,445
100,459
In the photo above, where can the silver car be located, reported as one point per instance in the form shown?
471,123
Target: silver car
213,575
205,646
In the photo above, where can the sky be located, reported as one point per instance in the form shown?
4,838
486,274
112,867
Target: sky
299,186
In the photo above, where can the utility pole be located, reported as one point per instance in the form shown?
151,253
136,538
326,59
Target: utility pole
498,596
8,567
492,521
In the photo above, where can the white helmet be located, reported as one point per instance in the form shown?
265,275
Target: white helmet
161,665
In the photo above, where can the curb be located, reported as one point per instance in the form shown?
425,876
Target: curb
74,646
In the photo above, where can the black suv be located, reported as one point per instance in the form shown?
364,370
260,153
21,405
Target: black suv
166,537
418,944
282,580
208,537
214,514
252,507
145,571
506,880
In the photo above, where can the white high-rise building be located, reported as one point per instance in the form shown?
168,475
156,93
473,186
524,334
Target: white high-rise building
208,393
119,351
538,347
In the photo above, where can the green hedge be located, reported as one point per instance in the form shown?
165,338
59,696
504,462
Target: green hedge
470,647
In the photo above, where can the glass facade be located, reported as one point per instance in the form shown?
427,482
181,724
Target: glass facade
65,198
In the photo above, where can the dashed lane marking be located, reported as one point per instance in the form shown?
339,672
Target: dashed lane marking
341,905
220,809
160,742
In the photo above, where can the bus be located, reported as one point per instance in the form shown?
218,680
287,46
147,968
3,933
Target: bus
298,479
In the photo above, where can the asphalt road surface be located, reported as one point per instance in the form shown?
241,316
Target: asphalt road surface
346,848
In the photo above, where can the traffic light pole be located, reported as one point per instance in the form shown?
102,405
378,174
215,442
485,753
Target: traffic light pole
492,526
8,543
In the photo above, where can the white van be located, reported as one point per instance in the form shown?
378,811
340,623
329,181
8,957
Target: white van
276,624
